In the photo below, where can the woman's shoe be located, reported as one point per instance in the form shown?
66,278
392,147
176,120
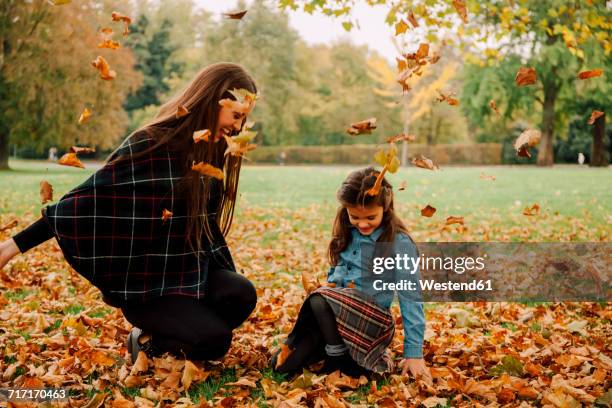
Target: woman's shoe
138,341
345,364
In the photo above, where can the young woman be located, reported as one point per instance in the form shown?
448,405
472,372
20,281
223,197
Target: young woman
148,231
346,322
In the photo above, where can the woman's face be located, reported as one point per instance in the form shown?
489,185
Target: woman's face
365,219
229,122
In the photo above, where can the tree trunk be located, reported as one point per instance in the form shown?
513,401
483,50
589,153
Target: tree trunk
4,150
598,153
545,152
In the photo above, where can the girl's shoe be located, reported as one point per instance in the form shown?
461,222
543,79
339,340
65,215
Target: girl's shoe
137,341
345,364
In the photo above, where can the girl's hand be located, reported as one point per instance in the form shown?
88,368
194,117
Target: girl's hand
8,249
417,368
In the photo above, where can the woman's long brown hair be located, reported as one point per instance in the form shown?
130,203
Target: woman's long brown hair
201,97
353,193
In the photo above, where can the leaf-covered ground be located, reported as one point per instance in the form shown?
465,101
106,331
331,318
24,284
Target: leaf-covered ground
56,331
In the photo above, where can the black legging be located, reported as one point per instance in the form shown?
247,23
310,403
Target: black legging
197,329
309,342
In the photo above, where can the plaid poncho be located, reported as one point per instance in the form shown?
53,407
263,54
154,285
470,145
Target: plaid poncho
110,228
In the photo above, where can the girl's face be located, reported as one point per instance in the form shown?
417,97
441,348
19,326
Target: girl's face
228,122
365,219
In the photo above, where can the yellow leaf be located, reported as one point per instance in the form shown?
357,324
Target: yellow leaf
401,27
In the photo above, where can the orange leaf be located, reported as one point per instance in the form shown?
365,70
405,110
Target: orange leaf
461,9
401,137
525,76
119,17
401,27
527,139
454,220
105,72
206,169
403,185
493,106
46,192
424,163
202,135
448,98
110,44
9,226
70,159
237,149
533,210
378,183
590,74
101,358
85,115
106,33
486,177
84,150
283,355
181,111
412,19
428,211
237,15
309,282
363,127
594,115
166,215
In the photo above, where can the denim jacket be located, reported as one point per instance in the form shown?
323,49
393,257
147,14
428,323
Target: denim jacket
348,273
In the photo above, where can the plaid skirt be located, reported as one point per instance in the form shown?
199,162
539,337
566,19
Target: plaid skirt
366,328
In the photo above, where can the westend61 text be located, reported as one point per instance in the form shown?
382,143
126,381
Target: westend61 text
430,285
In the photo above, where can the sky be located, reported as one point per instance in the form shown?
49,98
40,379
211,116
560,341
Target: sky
318,28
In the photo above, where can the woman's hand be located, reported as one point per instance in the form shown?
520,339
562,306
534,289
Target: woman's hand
8,249
417,368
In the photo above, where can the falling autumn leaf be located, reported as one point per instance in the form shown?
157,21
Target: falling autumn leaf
236,106
375,189
363,127
202,136
10,225
239,145
402,137
181,111
594,116
46,192
590,74
403,185
447,97
126,20
83,150
461,9
527,139
110,44
428,211
309,282
454,220
70,159
533,210
84,117
486,177
412,19
493,106
424,163
105,72
166,215
401,27
235,15
243,95
206,169
525,76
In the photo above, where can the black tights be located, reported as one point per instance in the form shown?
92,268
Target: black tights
308,341
198,329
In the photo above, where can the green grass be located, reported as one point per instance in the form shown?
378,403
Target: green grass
570,190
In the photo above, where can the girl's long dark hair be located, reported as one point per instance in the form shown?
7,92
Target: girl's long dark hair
352,193
201,97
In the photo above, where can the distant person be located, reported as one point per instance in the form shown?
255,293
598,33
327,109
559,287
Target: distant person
52,154
173,278
281,158
580,158
342,323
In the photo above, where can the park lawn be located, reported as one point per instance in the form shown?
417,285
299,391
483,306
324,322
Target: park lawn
565,190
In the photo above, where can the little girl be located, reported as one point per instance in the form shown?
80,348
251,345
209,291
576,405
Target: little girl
341,323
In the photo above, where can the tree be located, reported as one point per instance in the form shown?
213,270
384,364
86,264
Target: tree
541,32
40,108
